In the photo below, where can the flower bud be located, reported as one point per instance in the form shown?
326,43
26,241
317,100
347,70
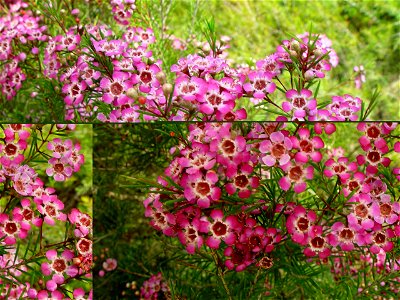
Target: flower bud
167,89
161,77
292,53
318,52
309,75
295,45
142,100
132,93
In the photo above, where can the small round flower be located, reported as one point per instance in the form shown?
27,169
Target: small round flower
110,264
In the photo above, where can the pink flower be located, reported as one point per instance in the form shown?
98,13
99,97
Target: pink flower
59,169
260,84
201,188
299,224
296,174
214,100
190,88
222,229
58,266
277,149
11,229
317,244
307,147
114,90
50,207
300,104
110,264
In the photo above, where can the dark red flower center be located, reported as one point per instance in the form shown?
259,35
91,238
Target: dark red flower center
59,168
241,181
374,156
188,88
339,169
278,150
10,149
59,265
346,234
260,84
203,188
361,210
191,235
317,242
385,209
302,224
28,214
380,238
116,88
296,173
50,210
228,146
306,146
145,77
84,245
373,132
219,228
16,127
214,99
11,227
299,102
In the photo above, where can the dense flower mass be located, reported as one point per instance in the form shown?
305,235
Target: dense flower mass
113,75
247,191
31,206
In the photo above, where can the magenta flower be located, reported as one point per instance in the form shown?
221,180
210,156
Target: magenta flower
277,149
341,167
11,152
190,234
26,215
50,207
242,181
345,237
385,211
296,174
260,84
222,229
161,220
12,229
110,264
114,89
58,266
59,170
82,222
307,147
201,188
381,240
190,88
147,77
271,65
317,244
59,147
238,257
299,224
300,104
214,100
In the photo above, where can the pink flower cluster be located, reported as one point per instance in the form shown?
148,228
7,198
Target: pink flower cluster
152,287
38,205
214,192
123,10
18,29
114,77
65,160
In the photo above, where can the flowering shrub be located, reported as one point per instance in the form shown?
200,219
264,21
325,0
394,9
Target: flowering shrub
101,72
243,194
45,245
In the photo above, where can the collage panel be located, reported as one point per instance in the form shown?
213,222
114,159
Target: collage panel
130,61
247,210
45,211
